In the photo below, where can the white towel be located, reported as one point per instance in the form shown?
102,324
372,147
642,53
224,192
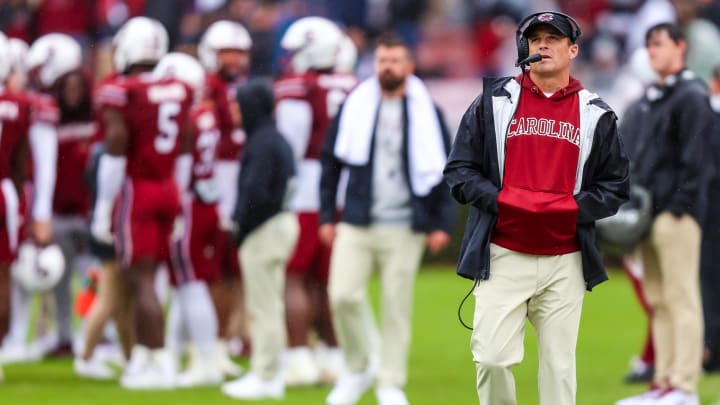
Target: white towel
425,144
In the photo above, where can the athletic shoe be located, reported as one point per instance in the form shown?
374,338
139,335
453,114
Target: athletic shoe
391,396
228,367
646,398
148,370
92,369
677,397
251,386
150,378
139,358
640,372
44,344
331,362
301,368
350,388
19,354
201,372
111,354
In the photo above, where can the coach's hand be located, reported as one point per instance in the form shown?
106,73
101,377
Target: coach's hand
326,233
437,240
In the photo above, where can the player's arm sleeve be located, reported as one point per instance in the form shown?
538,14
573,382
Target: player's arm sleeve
111,174
294,120
44,146
112,164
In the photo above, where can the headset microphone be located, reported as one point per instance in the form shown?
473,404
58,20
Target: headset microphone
536,57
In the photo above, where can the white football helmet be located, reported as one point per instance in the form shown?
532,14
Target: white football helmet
222,35
38,269
347,56
139,40
184,68
314,43
53,55
5,62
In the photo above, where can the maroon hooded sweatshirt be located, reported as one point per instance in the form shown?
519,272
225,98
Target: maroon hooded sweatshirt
537,211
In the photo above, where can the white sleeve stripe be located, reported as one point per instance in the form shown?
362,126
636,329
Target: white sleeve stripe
294,120
43,141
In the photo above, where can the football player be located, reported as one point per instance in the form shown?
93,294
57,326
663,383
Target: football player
194,260
28,123
145,131
54,63
307,100
224,51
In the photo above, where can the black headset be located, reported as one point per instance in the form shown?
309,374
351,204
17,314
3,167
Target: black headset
523,47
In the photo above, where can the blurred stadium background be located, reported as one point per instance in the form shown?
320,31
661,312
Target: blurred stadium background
456,42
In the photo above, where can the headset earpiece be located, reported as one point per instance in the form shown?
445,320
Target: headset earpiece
523,48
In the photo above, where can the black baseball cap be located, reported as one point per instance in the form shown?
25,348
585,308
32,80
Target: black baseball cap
557,21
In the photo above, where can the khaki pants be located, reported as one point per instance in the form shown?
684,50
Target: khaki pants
547,290
397,251
672,263
264,255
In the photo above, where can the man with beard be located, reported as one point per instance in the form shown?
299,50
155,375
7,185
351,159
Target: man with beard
392,140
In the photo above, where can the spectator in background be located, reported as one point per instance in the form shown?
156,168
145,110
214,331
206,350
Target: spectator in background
702,36
651,12
74,18
348,13
669,155
169,13
405,18
392,139
710,256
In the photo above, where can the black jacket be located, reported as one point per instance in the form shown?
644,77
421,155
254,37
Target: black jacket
473,173
267,165
667,137
435,211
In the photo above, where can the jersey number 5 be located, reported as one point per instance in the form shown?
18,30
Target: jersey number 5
168,127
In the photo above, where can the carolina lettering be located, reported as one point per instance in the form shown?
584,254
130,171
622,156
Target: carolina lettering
533,126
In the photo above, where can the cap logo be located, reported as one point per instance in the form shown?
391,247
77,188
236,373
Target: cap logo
545,17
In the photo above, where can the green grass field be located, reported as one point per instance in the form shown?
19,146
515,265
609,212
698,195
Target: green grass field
441,368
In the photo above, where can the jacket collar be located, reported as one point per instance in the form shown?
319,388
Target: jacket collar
657,91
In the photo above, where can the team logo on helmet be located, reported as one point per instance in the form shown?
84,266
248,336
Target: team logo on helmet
545,17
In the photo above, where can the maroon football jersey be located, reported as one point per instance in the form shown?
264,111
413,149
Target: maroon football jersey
17,113
74,141
15,118
325,92
232,139
155,112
